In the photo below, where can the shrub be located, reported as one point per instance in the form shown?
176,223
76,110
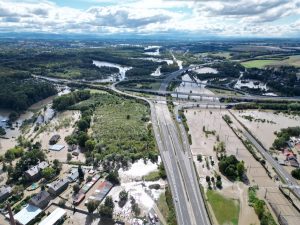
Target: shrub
296,173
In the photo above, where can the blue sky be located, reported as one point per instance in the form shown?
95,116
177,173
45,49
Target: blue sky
259,18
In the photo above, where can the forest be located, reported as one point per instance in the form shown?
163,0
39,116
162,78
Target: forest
19,90
282,79
78,63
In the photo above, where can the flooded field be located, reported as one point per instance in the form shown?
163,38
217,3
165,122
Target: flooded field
43,112
192,87
203,144
114,77
206,70
11,133
264,131
157,72
154,52
253,84
132,182
63,125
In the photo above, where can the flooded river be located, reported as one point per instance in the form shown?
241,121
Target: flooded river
114,77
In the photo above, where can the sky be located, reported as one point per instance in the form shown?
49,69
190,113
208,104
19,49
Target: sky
232,18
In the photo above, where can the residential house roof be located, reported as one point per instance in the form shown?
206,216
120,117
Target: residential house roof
42,165
27,214
73,175
40,197
54,217
56,185
36,169
4,190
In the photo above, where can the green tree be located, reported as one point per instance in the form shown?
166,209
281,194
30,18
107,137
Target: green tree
13,116
296,173
113,177
259,208
76,188
80,173
82,138
106,210
90,145
240,169
2,131
109,202
83,125
48,173
123,197
69,156
162,171
92,206
57,165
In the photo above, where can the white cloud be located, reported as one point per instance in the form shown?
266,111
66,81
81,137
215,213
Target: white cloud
219,17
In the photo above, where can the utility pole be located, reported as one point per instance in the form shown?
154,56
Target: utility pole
11,215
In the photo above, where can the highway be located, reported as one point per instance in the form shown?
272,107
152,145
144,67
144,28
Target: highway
178,150
214,96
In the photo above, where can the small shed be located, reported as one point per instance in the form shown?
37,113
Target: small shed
56,148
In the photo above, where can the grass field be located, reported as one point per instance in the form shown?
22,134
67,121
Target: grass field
121,126
163,206
258,63
152,176
293,61
225,210
290,61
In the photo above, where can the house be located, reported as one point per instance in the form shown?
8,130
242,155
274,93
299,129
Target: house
73,175
43,165
41,199
4,193
54,218
34,172
54,139
57,187
27,214
100,193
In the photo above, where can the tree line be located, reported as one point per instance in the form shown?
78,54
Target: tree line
20,90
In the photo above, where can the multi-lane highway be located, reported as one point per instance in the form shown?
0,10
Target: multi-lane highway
176,147
214,96
177,159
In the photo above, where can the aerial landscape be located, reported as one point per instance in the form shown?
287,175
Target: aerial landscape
157,112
